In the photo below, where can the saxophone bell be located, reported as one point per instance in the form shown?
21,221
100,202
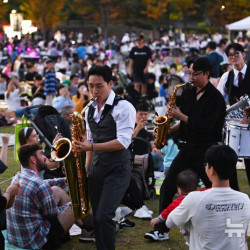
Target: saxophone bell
61,149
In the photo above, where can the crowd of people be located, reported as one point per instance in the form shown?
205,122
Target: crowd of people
58,77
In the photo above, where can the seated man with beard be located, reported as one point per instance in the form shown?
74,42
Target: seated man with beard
41,215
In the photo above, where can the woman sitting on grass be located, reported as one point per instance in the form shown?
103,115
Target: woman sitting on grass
29,135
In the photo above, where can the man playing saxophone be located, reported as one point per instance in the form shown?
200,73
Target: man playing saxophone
110,123
201,117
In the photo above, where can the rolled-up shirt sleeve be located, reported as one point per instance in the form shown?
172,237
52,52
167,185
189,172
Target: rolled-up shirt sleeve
124,115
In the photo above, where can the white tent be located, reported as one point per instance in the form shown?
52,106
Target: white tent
243,24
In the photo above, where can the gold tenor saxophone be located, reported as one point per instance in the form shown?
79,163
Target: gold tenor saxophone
74,165
162,123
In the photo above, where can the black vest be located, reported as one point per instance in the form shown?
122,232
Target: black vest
104,131
236,92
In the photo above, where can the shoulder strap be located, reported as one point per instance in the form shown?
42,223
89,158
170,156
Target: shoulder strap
229,83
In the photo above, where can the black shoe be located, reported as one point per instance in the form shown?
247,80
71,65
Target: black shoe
156,235
87,236
126,224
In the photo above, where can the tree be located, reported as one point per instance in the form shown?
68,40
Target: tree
46,14
102,11
154,9
183,9
3,12
224,12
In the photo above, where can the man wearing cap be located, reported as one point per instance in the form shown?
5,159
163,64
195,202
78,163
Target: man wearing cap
235,84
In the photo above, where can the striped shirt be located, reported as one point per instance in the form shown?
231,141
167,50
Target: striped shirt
27,223
50,83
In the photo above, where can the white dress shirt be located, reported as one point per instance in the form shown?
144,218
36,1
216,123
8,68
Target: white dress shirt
124,115
221,86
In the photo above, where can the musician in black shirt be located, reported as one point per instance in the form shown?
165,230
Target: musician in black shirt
201,118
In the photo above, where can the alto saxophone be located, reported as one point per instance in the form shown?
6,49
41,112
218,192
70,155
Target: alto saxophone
162,123
74,165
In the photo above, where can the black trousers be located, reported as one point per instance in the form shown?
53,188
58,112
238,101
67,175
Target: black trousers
108,183
234,181
189,157
133,197
247,165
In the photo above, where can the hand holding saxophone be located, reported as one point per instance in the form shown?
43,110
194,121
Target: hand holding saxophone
175,112
82,145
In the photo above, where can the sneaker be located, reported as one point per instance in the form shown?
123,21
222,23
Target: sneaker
156,235
142,213
117,227
149,211
87,236
126,224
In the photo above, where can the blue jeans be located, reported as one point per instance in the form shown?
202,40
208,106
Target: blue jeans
158,162
19,112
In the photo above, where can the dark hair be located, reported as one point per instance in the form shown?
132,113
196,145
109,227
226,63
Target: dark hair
49,61
141,37
187,181
79,85
235,46
173,65
161,78
223,41
22,136
38,77
223,68
201,64
142,107
73,76
2,75
164,70
223,159
100,70
26,151
211,45
60,87
151,76
119,90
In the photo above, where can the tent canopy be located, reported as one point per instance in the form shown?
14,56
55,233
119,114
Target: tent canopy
243,24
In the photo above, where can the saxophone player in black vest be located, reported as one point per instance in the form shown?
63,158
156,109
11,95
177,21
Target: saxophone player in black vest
235,84
110,123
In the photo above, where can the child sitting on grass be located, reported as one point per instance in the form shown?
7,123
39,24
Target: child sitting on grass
186,183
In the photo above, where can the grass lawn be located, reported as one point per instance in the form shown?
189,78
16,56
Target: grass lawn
127,239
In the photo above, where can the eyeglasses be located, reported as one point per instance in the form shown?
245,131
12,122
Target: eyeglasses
195,74
235,54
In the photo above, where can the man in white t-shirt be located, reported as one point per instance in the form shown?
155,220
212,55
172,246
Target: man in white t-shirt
218,217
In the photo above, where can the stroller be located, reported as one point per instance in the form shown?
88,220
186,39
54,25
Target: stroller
143,167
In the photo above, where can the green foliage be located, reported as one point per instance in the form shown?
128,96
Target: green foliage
202,27
45,13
